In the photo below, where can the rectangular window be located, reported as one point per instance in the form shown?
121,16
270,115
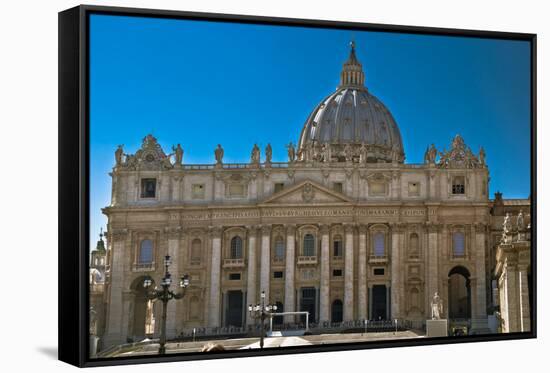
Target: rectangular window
234,276
197,191
458,185
236,190
414,189
378,271
148,188
279,187
377,189
337,187
278,274
337,249
336,273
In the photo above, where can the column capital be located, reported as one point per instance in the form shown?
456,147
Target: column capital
349,227
173,233
324,228
362,228
215,232
118,234
433,227
252,228
290,228
480,227
266,229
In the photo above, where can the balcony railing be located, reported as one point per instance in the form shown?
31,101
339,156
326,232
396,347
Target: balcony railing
144,267
233,263
378,259
278,260
305,260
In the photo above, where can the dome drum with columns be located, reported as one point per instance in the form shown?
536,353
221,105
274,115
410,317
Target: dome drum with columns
351,124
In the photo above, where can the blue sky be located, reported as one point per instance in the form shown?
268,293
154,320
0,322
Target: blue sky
202,83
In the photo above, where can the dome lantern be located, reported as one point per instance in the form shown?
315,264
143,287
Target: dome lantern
352,71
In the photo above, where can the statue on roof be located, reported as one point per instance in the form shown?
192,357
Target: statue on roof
255,155
268,153
119,153
291,152
218,154
178,151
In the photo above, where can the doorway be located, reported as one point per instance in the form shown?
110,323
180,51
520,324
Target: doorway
234,310
379,302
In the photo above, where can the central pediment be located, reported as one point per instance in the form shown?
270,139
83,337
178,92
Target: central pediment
307,192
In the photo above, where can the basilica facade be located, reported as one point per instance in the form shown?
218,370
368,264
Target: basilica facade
345,229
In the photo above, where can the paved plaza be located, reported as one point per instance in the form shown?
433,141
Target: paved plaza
151,348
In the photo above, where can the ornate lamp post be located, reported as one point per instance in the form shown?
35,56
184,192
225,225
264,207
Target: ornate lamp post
165,295
262,311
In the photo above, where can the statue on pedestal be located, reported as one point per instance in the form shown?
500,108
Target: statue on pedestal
218,154
520,221
437,307
325,152
363,153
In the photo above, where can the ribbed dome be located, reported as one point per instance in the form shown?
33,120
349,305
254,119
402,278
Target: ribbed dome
348,119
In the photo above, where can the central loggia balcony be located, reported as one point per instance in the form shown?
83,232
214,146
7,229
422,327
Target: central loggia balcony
234,263
307,260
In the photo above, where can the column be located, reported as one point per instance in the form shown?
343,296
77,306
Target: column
173,249
116,330
215,271
395,272
324,300
265,261
480,271
524,306
432,273
251,294
289,304
348,274
362,274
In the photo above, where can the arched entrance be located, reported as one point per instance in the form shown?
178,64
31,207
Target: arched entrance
460,295
143,318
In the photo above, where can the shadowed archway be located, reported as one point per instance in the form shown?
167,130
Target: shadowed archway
460,294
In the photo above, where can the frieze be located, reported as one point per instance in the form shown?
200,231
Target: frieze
413,212
378,212
235,214
305,212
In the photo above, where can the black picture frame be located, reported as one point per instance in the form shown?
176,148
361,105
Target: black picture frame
74,175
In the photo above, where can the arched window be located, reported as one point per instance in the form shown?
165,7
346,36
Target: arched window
236,247
379,244
337,311
196,246
309,245
413,245
279,248
458,244
145,252
337,247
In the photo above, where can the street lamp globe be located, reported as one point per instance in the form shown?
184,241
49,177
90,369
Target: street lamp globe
147,283
184,281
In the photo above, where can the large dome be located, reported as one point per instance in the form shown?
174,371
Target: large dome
351,124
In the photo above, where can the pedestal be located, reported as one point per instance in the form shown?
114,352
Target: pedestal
436,328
